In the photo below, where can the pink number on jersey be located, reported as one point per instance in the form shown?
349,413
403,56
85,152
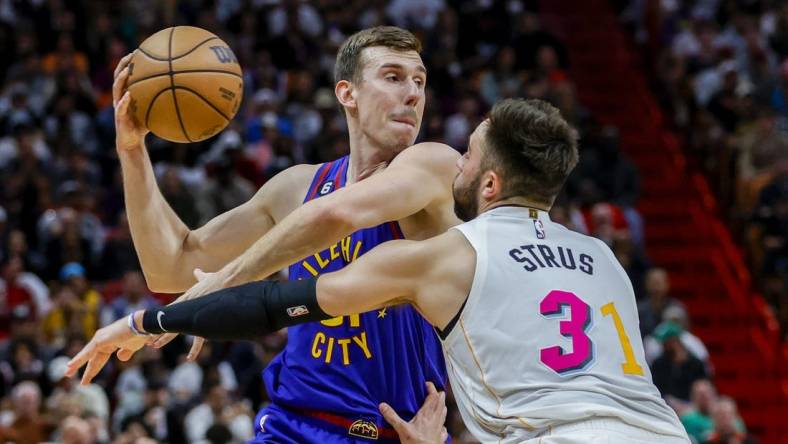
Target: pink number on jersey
575,327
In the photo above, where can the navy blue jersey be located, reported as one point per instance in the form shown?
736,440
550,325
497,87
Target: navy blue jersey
348,365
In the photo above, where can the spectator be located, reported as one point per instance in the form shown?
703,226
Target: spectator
650,310
23,363
24,424
692,343
119,256
70,398
135,297
218,409
76,305
676,369
18,294
697,418
727,426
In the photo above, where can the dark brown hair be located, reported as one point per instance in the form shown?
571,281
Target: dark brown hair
532,146
349,64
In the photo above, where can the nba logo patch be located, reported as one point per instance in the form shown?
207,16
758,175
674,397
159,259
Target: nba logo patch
299,310
539,227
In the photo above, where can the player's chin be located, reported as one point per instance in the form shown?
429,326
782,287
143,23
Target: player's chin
404,135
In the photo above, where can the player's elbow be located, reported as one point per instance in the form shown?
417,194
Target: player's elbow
169,271
337,218
164,282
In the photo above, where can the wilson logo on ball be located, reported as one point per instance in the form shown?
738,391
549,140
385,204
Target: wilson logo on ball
224,54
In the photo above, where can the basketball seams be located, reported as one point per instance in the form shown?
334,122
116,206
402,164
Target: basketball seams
185,71
153,101
166,59
208,102
172,88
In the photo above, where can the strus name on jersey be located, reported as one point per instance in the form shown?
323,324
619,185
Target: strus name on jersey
534,257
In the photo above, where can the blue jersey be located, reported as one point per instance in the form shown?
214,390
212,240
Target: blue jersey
348,365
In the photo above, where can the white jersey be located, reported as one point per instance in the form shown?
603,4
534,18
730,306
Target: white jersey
549,334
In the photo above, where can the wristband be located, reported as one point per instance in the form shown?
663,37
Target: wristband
133,327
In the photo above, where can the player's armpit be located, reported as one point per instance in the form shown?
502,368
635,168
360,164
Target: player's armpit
228,235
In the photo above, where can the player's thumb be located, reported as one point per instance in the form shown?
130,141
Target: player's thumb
125,354
199,274
391,417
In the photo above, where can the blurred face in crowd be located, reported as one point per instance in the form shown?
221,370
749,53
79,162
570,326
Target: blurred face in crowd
703,396
724,416
657,284
217,398
389,97
134,285
27,400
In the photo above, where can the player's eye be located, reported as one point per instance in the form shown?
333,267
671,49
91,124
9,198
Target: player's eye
392,77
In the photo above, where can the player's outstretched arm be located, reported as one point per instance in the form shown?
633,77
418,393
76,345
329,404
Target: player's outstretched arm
168,250
434,275
418,178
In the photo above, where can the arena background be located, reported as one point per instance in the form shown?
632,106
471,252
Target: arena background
682,107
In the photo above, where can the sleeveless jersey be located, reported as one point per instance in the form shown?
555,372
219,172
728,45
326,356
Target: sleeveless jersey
549,334
348,365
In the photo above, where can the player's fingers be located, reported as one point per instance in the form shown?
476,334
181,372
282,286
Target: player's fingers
122,108
81,358
199,274
122,64
125,354
392,417
444,435
431,388
430,404
196,348
164,340
119,86
94,366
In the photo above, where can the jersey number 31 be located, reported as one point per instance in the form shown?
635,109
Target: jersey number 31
576,327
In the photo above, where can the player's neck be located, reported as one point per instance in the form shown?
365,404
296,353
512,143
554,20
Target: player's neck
515,201
365,160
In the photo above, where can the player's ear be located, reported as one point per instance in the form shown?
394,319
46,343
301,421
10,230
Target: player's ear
491,186
345,92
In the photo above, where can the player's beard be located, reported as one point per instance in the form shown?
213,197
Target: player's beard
466,205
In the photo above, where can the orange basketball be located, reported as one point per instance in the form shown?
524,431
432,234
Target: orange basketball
185,84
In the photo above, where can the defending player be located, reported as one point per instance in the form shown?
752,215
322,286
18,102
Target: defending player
326,385
539,323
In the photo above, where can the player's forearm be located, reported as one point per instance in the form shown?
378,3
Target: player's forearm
243,312
156,230
307,230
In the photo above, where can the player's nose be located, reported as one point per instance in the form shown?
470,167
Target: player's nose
413,94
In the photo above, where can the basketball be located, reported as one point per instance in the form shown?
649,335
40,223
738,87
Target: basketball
185,84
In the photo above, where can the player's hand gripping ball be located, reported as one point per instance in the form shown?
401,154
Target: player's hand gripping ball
185,84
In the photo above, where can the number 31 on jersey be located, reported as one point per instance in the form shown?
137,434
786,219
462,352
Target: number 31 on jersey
576,327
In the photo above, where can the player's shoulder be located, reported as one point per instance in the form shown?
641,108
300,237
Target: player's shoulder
293,179
431,154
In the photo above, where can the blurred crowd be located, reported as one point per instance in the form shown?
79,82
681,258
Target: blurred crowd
68,265
722,76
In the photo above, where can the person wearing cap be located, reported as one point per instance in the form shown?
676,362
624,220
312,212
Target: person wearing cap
676,369
76,305
693,344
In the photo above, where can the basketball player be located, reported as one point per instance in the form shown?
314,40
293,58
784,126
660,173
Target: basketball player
326,385
538,323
